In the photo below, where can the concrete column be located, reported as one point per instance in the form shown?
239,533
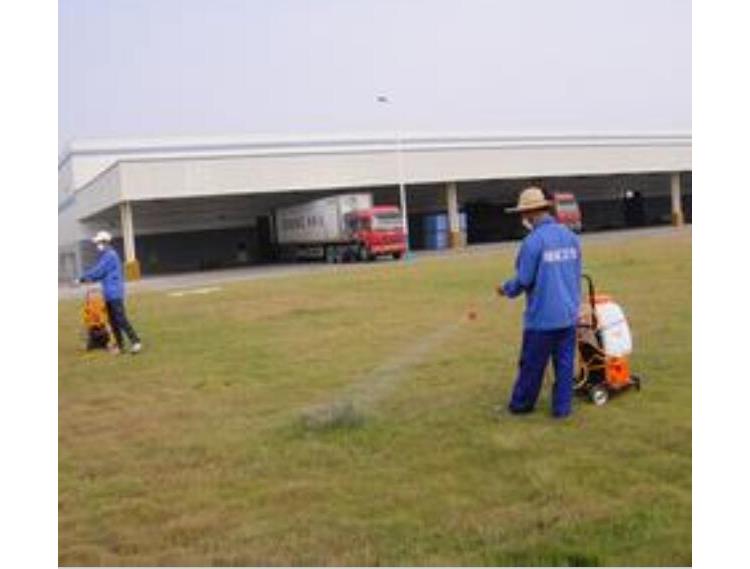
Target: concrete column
677,216
454,221
132,268
78,262
402,192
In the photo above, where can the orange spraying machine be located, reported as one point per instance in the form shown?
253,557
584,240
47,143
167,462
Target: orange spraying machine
604,344
95,321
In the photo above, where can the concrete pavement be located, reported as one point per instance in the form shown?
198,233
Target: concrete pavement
218,277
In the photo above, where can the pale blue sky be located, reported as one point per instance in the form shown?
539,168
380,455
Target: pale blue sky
141,68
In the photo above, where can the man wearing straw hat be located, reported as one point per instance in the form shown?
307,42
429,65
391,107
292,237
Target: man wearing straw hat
548,270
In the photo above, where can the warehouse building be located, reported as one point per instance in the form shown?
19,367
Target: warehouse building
206,203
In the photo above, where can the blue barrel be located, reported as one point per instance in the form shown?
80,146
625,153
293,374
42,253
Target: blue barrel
434,226
439,222
438,240
435,222
436,230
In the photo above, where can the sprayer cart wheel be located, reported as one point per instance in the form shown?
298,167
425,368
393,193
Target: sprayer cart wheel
598,394
636,382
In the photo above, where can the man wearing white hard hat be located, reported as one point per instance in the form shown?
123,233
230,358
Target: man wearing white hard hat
548,271
108,270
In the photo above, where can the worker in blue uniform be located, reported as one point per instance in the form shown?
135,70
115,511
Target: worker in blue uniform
108,270
548,271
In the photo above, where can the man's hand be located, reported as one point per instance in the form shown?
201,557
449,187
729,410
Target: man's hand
500,290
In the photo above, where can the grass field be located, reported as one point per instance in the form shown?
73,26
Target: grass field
199,451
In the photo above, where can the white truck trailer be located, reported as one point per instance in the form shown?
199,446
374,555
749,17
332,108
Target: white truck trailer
339,228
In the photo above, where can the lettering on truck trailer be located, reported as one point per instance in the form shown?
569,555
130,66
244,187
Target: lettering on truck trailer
297,223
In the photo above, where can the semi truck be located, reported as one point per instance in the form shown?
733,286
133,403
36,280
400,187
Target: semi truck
567,212
340,228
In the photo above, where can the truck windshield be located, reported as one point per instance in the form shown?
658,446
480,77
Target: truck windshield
386,221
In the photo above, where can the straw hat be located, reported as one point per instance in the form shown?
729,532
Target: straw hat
530,199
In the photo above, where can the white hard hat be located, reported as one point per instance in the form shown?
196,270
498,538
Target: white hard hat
102,237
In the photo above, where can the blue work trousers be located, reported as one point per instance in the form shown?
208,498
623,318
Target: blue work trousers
119,322
538,346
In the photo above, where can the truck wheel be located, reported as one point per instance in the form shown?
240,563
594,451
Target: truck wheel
598,394
362,253
330,254
397,256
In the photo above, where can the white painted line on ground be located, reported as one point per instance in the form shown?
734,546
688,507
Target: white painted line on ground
204,290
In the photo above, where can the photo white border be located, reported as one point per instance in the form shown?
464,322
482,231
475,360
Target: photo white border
28,299
721,388
721,273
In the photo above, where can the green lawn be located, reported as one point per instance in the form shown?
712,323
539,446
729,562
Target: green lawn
199,451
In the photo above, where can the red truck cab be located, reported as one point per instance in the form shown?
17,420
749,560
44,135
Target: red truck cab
376,231
566,211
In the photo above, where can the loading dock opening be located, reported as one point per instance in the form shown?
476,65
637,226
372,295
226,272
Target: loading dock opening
207,204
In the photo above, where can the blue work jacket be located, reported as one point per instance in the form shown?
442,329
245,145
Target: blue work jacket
548,270
108,270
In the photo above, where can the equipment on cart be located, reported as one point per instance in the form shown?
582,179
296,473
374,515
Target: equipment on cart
94,315
604,345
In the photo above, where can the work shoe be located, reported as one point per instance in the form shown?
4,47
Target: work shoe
135,348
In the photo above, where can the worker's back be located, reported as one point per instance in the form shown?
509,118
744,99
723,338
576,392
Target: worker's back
554,298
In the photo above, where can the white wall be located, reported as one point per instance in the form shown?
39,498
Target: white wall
68,227
179,178
104,192
94,179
